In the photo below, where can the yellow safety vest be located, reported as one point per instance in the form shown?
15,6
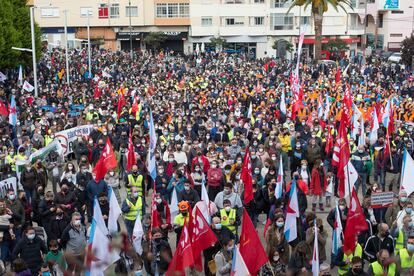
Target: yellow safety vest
399,242
11,162
48,140
180,219
135,183
405,259
378,271
342,270
225,219
134,209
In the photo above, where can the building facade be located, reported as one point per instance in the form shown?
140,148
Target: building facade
258,28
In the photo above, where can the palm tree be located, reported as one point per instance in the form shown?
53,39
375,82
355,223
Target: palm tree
319,7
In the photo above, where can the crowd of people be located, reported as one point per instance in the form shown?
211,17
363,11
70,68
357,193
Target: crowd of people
207,109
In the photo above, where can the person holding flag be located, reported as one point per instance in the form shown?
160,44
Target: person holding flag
318,232
131,206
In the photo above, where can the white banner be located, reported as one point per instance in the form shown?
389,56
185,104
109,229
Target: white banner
6,185
68,136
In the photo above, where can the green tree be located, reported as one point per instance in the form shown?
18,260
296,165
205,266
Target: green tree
154,40
218,42
407,51
318,8
15,32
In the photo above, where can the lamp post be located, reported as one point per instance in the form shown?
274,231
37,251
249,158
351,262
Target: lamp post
130,32
89,48
32,29
66,48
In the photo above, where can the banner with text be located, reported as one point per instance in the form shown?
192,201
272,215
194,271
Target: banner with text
68,136
7,184
381,200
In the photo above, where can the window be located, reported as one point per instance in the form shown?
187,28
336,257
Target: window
305,20
279,4
206,21
281,21
85,10
233,1
400,12
371,1
131,11
380,20
184,10
258,1
396,35
103,11
234,21
258,21
114,11
172,10
49,12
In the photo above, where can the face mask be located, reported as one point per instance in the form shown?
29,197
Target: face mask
408,210
410,247
230,248
360,151
341,207
70,167
227,208
214,166
273,158
158,200
276,258
30,236
77,222
170,160
298,146
187,188
226,191
12,197
135,194
280,224
256,171
239,162
217,226
358,270
403,199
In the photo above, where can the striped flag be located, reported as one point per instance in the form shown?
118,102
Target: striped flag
290,229
283,102
279,182
13,112
407,173
373,135
337,232
114,211
315,258
238,266
151,152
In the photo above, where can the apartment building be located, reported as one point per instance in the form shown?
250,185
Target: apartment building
110,21
257,27
388,23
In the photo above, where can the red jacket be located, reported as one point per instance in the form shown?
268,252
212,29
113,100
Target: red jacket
204,160
317,188
214,177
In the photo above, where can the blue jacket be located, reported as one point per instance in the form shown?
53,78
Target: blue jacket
94,189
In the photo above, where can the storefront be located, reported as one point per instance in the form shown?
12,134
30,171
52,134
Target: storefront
125,38
174,41
55,37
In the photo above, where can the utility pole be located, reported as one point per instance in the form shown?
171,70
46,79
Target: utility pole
89,48
33,51
365,30
130,32
67,48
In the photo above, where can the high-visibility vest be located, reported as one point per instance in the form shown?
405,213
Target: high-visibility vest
11,162
134,209
48,140
132,182
406,260
342,270
399,242
225,219
179,219
378,271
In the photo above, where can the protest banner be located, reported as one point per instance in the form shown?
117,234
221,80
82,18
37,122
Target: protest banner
68,136
381,200
7,184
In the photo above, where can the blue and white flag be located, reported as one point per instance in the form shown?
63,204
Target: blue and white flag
13,112
151,153
290,229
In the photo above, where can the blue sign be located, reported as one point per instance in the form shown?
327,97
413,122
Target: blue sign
391,5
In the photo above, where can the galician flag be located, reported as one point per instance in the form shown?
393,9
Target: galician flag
337,232
290,229
28,87
238,266
151,152
315,257
279,182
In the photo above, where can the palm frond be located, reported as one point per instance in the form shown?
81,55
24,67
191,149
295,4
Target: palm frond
298,3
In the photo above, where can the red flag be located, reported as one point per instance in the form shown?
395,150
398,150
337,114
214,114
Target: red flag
97,93
355,223
338,75
135,107
3,109
347,104
183,256
246,177
266,67
268,223
155,219
340,157
329,141
387,149
250,246
131,161
121,103
203,237
107,161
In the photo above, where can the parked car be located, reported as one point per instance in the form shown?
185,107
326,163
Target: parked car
395,57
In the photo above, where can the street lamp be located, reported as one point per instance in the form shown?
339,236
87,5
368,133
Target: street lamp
130,31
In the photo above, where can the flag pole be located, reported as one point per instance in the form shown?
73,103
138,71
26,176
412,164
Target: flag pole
388,143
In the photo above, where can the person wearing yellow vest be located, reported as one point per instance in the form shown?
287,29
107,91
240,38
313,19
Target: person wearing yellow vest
356,268
228,216
134,179
180,219
405,262
342,260
401,234
131,206
11,160
384,266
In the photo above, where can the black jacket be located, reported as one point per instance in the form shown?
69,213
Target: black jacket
191,196
30,252
374,245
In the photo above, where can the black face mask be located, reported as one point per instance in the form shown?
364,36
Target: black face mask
358,270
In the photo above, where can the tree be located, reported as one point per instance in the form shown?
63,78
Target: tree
218,42
318,8
407,51
282,46
15,32
336,45
155,39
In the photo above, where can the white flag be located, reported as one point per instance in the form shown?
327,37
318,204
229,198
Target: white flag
137,235
106,75
114,212
315,258
351,175
97,216
20,79
407,173
174,205
28,87
283,102
2,77
373,135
